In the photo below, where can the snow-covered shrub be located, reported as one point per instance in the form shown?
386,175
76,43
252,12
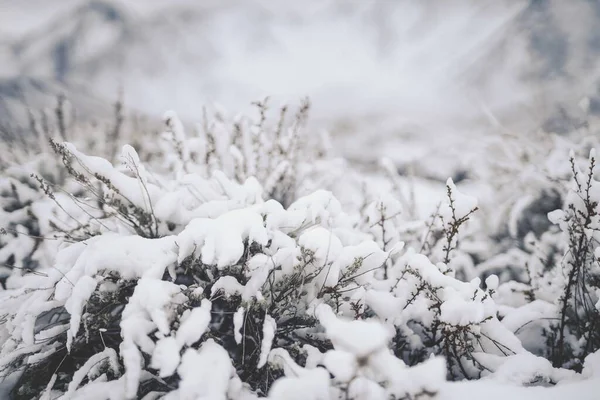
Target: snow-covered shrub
248,276
571,278
35,183
41,203
246,146
218,269
526,177
27,228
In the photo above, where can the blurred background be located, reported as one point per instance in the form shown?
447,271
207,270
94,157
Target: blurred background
407,79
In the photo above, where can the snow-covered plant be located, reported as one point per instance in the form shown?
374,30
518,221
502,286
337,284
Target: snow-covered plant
81,197
577,277
219,268
41,202
557,291
246,146
528,176
227,288
26,227
516,240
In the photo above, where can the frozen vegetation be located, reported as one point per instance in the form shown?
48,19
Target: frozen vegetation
242,258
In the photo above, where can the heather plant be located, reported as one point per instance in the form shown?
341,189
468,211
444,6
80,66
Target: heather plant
41,203
220,268
571,279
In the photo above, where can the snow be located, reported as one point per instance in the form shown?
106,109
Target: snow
311,385
371,255
149,300
591,365
319,207
166,357
259,268
457,311
81,293
145,312
341,364
142,196
586,390
132,360
220,241
100,390
228,285
517,318
269,329
360,338
130,256
323,243
131,160
238,323
194,324
428,376
491,282
525,368
205,373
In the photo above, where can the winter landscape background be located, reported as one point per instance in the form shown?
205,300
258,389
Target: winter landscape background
324,199
416,69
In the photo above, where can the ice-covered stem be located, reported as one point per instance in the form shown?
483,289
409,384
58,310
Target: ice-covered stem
262,110
115,132
174,128
45,187
430,225
35,129
258,138
285,158
277,148
392,174
132,201
60,116
458,215
279,130
211,156
132,161
383,217
574,169
579,314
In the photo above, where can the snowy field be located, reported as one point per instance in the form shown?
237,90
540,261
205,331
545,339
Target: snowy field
321,200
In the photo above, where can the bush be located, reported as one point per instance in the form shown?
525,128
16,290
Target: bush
220,268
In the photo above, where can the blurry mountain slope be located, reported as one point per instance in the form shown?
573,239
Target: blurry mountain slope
400,72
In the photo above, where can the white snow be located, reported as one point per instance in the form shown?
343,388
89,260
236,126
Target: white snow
238,323
341,364
81,293
360,338
130,256
194,325
268,331
220,241
313,384
205,373
166,357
